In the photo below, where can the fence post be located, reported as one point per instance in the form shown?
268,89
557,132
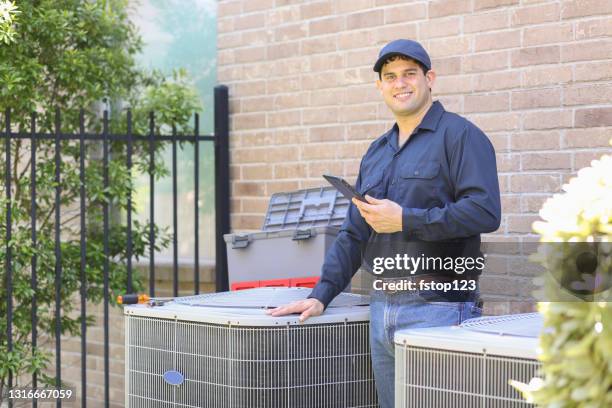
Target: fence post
222,184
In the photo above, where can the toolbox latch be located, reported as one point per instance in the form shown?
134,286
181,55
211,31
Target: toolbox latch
301,234
240,241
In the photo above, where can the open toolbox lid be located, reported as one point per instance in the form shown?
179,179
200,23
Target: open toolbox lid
303,209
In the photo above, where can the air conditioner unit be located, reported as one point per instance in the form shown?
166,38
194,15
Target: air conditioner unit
222,350
467,365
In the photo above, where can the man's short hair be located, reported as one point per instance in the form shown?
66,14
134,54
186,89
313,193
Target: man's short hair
404,58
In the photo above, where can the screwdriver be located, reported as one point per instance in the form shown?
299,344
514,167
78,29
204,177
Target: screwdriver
132,299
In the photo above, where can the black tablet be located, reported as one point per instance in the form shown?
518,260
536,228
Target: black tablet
344,187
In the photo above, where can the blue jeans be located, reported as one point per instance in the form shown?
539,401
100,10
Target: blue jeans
403,310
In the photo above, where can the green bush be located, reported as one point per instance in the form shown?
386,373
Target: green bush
73,54
576,345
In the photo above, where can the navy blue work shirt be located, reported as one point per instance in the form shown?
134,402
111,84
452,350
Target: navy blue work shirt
445,179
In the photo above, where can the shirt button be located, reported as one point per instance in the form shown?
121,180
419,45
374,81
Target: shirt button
416,173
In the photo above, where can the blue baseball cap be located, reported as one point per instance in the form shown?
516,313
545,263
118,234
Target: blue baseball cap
407,48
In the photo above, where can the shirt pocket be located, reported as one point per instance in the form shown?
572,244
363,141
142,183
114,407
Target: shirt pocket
420,171
419,185
371,185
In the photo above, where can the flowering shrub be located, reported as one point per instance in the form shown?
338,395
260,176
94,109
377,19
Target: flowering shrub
576,346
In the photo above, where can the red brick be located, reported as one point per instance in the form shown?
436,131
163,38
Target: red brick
584,159
283,15
543,140
481,22
290,170
490,61
244,22
250,54
357,113
279,85
548,34
446,47
290,32
447,66
319,45
521,223
593,71
256,5
554,75
352,149
357,39
326,62
225,25
496,121
361,94
500,141
319,115
248,88
403,13
487,102
452,103
594,28
532,203
226,8
535,55
363,57
343,7
327,25
588,95
322,97
593,117
365,19
496,81
248,188
254,205
256,104
248,121
597,137
546,161
321,80
452,84
365,131
229,40
508,162
582,51
357,76
316,9
290,136
273,187
225,57
389,33
534,183
315,151
283,50
284,118
446,27
498,40
535,14
256,172
440,8
327,133
291,100
282,154
547,119
581,8
536,98
485,4
510,204
351,169
317,168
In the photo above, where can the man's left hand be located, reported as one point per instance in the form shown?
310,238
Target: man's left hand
384,216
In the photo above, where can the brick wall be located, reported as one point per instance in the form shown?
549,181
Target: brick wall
536,76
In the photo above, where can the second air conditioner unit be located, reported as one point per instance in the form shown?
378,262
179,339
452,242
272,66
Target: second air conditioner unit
467,365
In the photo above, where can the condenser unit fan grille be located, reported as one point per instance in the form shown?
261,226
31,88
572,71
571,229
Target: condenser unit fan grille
317,365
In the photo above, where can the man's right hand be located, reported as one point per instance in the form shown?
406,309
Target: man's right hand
307,308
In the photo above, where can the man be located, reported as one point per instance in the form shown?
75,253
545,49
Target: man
431,178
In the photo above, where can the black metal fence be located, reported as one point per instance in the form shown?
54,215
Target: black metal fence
221,153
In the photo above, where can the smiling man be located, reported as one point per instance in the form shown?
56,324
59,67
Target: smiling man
430,180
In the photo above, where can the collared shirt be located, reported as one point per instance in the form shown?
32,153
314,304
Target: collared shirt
444,178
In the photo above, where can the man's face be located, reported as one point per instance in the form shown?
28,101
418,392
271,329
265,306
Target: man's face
404,87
